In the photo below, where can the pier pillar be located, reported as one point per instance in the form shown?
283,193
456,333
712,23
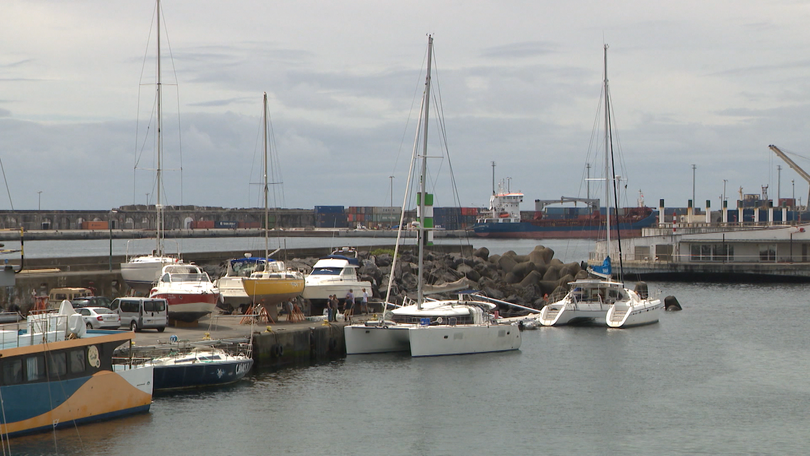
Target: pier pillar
708,212
756,216
784,215
725,212
689,212
661,214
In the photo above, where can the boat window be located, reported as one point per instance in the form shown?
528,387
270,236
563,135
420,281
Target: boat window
77,361
326,271
57,365
35,368
12,372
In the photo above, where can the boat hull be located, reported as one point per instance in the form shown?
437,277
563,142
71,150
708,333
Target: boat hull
141,273
272,290
463,339
362,340
103,393
322,290
200,375
637,315
560,314
188,307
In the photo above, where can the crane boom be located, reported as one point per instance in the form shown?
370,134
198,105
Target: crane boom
793,165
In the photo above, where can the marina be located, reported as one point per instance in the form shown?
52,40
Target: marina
703,373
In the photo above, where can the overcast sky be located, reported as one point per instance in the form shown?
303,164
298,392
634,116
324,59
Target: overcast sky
710,83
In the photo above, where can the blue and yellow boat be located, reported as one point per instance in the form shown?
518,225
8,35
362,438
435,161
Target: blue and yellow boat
54,373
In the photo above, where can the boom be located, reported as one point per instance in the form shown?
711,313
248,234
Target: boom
793,165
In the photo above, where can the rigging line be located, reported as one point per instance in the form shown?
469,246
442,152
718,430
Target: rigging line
6,181
613,171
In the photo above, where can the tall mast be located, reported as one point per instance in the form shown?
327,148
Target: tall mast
422,179
266,207
607,152
159,171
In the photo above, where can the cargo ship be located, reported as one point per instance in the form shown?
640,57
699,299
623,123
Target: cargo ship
504,219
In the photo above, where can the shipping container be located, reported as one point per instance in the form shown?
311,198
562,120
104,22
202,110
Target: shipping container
229,224
95,225
329,209
250,225
202,224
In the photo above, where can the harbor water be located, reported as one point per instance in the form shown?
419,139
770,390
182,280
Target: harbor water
727,375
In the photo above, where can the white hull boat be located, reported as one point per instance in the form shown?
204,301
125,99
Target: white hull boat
335,274
187,290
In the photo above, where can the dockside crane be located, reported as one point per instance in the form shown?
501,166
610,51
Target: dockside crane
795,167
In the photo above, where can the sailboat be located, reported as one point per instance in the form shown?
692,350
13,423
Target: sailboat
140,272
601,300
424,327
275,283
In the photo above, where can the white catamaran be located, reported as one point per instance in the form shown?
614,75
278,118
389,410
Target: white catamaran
425,327
602,300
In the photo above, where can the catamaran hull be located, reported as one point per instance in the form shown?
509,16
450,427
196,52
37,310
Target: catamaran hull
570,314
362,340
636,315
462,340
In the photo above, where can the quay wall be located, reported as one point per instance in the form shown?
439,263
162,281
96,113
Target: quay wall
281,347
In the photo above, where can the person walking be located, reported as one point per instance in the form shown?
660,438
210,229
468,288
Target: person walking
364,302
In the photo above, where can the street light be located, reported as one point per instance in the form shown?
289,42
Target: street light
110,226
392,190
694,167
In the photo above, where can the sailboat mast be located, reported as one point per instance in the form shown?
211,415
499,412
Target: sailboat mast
607,152
159,170
422,179
266,204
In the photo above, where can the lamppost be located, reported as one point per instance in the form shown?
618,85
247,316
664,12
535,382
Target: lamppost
694,167
39,200
724,192
110,226
391,178
147,199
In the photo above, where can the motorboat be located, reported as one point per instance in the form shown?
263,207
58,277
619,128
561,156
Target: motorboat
79,384
335,274
431,327
231,290
188,290
141,272
200,367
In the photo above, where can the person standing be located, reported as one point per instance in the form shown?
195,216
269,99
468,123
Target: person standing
330,311
364,302
348,305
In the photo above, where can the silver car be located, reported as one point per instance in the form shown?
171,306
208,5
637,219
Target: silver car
99,318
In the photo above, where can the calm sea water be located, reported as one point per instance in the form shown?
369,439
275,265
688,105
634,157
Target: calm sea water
727,375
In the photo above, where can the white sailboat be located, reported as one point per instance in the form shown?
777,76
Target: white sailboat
602,300
140,272
425,327
275,283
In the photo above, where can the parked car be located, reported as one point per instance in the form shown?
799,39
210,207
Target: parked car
142,313
99,318
91,301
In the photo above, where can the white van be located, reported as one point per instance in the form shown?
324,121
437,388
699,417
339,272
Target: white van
142,313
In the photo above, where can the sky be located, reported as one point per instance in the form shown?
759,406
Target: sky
709,83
